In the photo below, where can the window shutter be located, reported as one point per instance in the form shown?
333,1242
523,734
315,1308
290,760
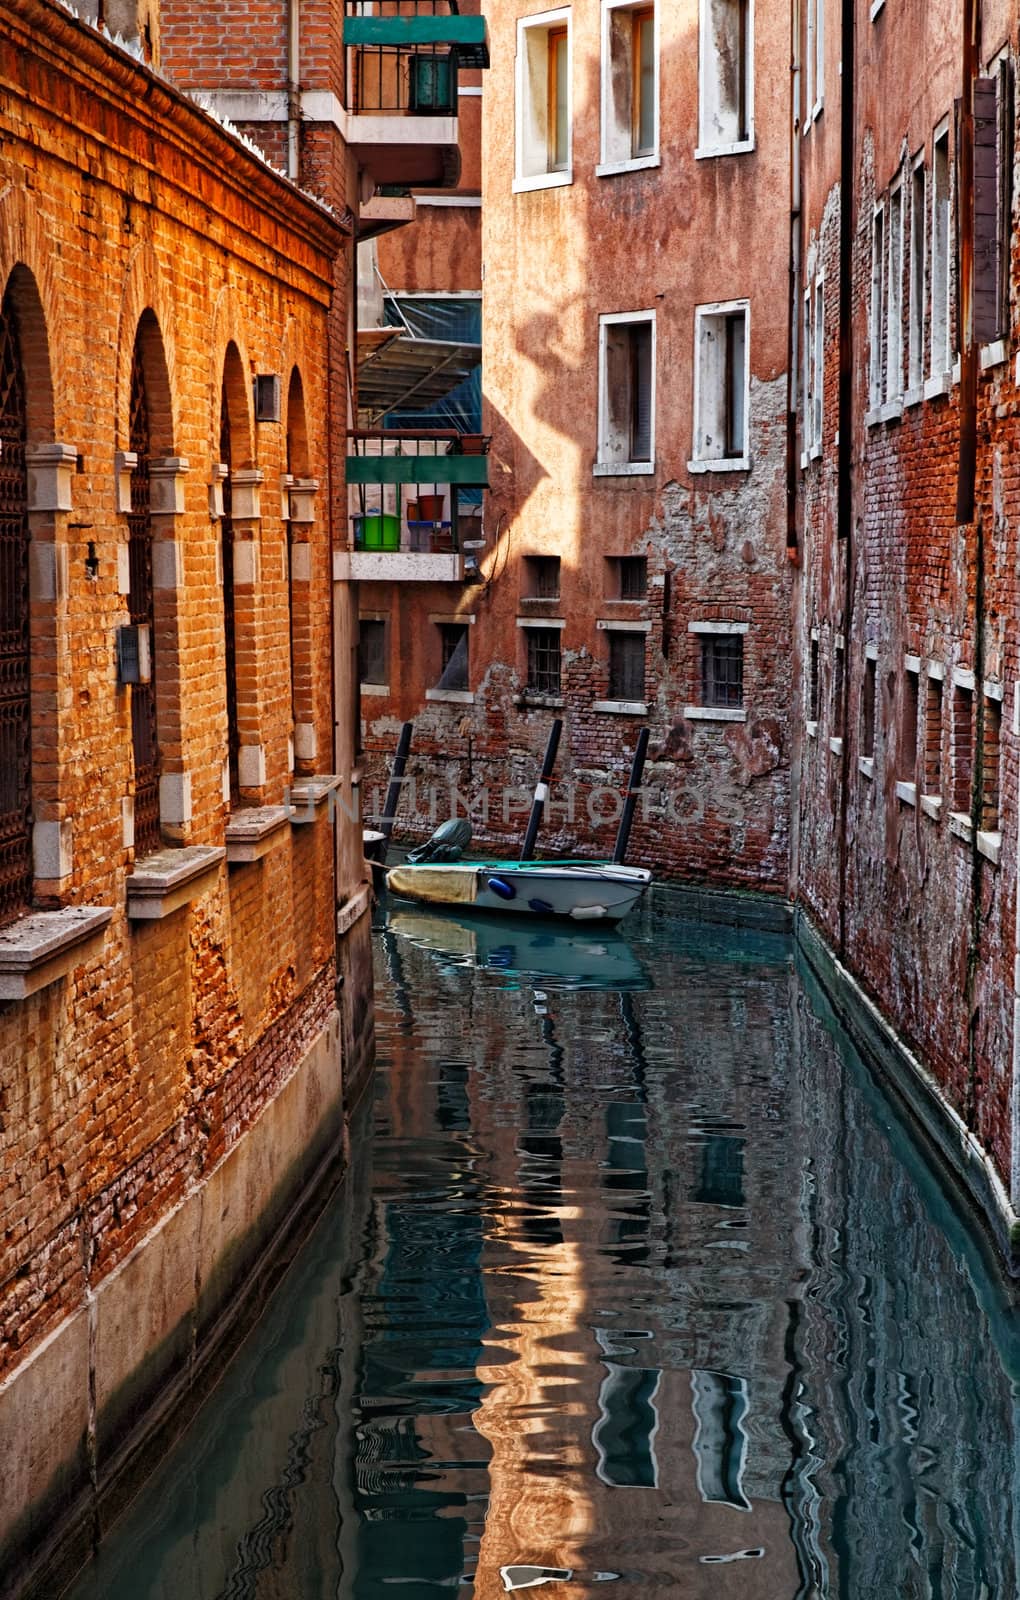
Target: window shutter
987,233
626,666
641,392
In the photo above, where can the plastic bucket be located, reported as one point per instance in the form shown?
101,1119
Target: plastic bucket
378,531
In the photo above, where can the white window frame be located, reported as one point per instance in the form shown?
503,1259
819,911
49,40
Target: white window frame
610,165
814,61
604,468
876,319
526,180
700,462
917,308
940,357
705,150
894,294
817,422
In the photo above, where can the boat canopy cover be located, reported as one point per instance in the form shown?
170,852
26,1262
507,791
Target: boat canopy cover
434,885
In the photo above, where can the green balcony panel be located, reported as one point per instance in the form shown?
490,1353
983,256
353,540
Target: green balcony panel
471,472
465,34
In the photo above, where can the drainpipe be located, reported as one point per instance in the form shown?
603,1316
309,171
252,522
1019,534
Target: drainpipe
844,459
965,509
293,89
793,336
968,348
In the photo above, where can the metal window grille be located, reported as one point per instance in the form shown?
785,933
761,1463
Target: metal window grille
626,666
722,670
229,627
15,716
543,660
144,737
633,577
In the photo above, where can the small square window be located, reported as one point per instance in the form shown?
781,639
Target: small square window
721,383
626,665
627,391
454,655
542,576
372,652
543,646
722,670
631,574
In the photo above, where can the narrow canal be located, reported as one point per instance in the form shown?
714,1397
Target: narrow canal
638,1286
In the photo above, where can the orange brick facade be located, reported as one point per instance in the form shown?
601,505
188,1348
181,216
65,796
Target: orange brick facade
145,250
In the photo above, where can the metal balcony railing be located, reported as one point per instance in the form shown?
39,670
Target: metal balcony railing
407,54
403,489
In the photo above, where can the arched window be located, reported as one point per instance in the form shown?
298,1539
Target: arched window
15,697
229,629
141,606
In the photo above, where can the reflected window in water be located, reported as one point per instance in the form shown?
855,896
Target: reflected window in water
624,1435
722,1172
720,1441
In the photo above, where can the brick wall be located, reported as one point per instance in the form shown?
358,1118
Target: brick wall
124,1081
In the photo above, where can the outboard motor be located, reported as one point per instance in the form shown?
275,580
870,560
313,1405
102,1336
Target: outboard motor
448,843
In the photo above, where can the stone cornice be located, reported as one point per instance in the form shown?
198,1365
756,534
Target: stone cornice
101,76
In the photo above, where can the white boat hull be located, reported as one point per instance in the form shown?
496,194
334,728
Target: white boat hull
588,891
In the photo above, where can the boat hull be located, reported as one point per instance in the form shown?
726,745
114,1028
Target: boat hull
589,891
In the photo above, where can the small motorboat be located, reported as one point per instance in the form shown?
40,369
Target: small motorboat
585,891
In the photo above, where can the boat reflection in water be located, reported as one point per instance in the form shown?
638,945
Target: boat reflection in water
577,958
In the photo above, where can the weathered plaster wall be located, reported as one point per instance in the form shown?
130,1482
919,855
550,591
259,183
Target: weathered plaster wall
555,259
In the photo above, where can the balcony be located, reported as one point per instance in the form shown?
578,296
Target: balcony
408,518
402,64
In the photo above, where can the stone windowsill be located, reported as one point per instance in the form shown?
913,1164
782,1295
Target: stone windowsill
913,397
931,805
721,464
381,690
811,728
452,697
251,834
836,745
866,765
938,385
623,469
612,169
43,946
715,714
992,354
623,708
961,825
539,702
989,845
907,792
305,795
163,882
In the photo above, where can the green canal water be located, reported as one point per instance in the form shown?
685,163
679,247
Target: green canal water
638,1286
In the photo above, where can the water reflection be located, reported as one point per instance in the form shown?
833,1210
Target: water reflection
647,1288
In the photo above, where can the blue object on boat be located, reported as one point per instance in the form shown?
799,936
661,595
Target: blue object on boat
506,891
541,906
